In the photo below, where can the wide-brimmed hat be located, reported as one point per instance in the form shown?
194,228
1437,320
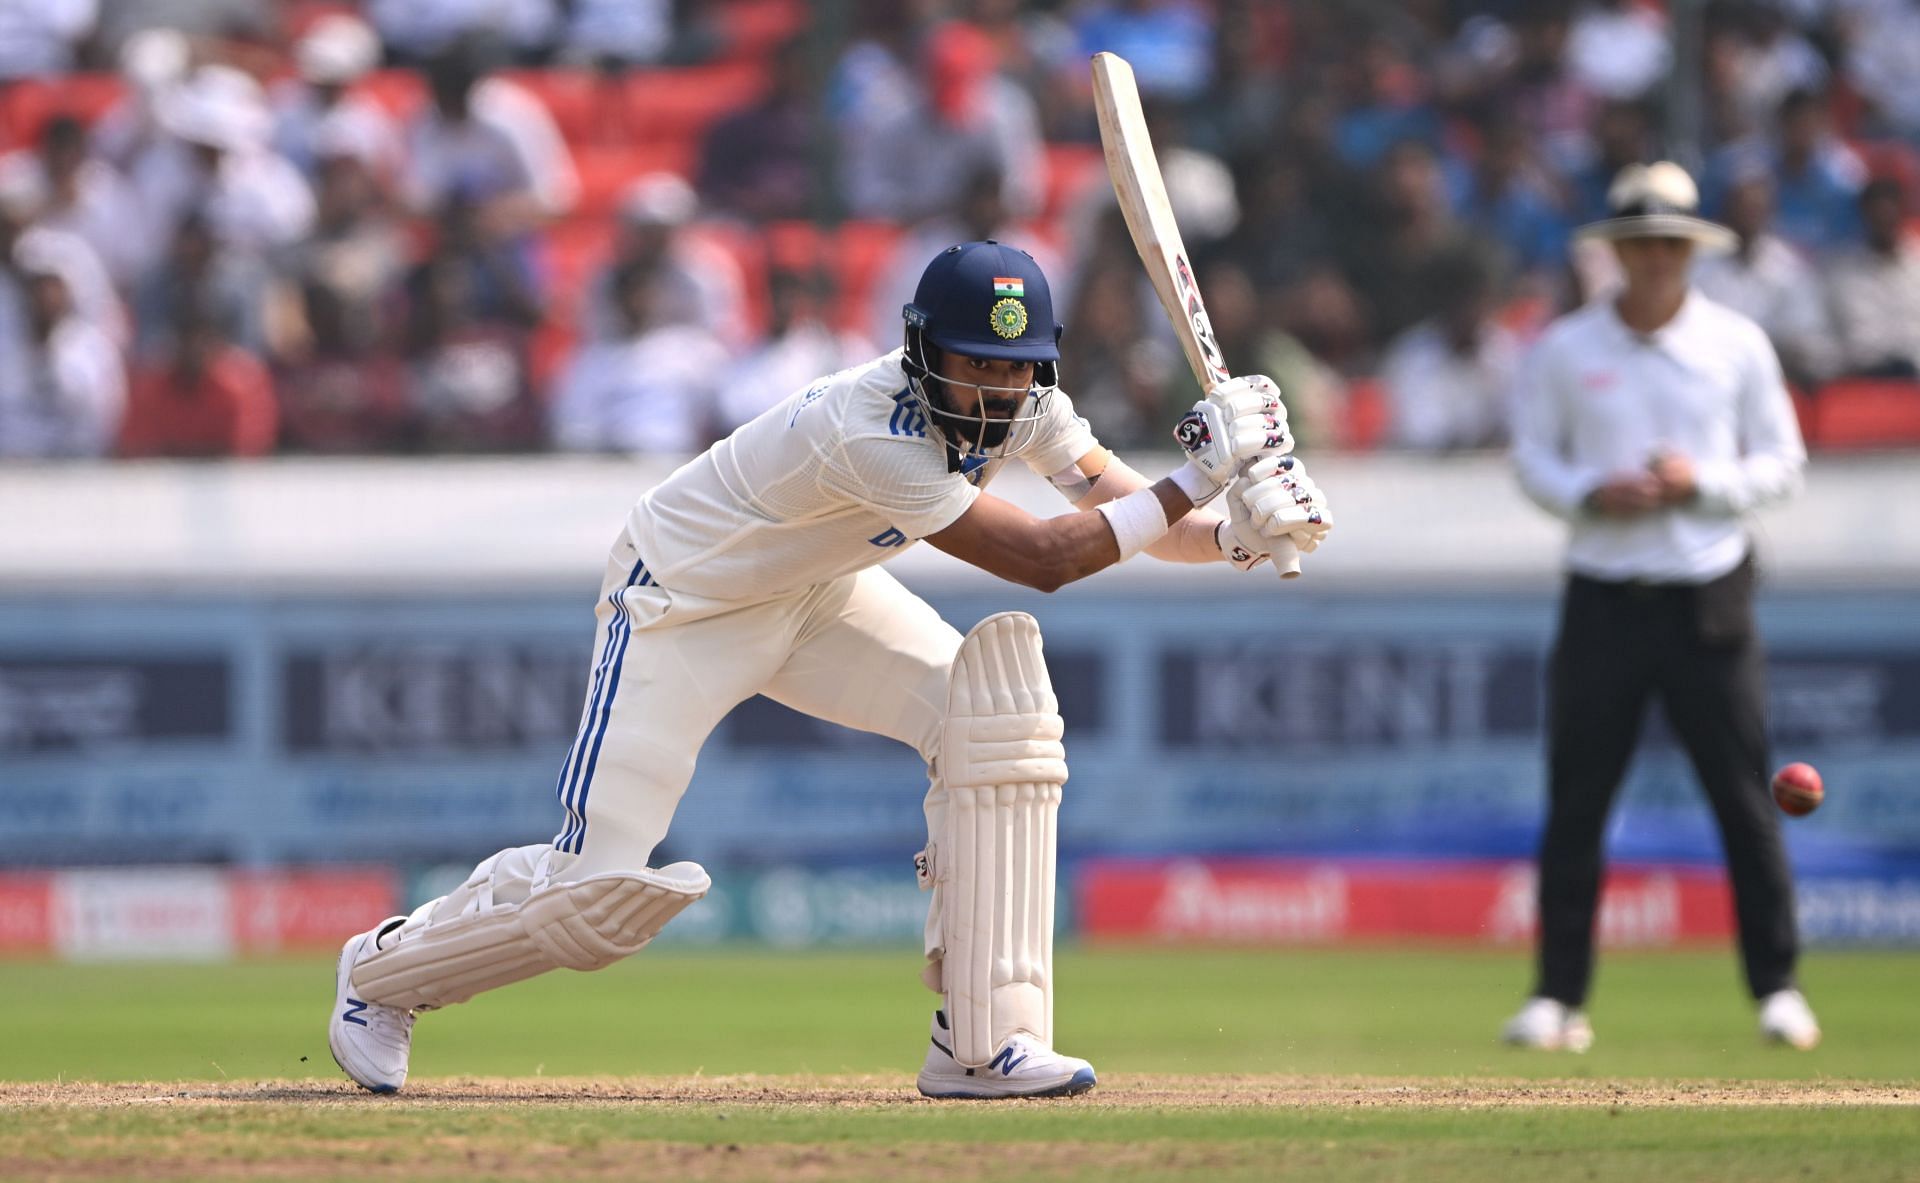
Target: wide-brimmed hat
1657,200
218,106
339,48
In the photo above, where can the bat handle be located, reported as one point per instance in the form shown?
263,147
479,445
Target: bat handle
1286,558
1285,555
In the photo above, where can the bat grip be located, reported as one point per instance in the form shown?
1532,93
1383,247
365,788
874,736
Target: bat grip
1286,558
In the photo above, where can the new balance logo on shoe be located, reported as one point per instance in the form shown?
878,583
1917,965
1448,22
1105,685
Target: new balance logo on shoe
352,1013
1011,1061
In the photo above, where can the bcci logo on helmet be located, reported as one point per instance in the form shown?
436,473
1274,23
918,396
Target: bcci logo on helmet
1009,318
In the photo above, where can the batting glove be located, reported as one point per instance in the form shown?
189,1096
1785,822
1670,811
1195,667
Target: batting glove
1282,500
1237,421
1239,538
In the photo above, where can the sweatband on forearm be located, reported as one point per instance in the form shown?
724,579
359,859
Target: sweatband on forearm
1136,520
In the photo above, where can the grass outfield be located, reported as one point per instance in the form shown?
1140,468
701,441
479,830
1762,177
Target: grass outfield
1322,1064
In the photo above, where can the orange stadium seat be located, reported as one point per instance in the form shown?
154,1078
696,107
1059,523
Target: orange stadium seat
1364,422
1860,413
27,104
754,27
861,250
796,245
1805,407
679,104
548,351
1071,170
570,254
400,92
578,100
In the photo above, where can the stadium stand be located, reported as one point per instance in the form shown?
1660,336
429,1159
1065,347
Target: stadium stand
619,123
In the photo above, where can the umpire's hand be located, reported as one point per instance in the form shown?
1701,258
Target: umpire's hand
1626,495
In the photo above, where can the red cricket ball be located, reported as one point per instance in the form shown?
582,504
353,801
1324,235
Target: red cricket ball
1797,789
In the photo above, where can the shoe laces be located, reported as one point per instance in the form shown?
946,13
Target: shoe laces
390,1025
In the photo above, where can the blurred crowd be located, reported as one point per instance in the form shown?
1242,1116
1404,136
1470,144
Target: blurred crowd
241,227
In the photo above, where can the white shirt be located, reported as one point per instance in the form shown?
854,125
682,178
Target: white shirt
1619,52
1776,289
424,27
63,401
1880,52
833,479
1876,305
653,393
106,212
89,285
1595,399
698,283
784,364
1442,399
37,37
303,132
908,163
254,201
507,144
629,30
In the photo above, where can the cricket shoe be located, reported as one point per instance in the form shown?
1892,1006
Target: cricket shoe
1549,1025
370,1042
1786,1018
1021,1068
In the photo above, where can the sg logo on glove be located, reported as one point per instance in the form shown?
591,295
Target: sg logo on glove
1192,431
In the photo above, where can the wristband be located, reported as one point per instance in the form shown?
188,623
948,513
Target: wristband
1137,521
1195,483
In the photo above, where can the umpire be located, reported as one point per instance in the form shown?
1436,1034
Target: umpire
1652,421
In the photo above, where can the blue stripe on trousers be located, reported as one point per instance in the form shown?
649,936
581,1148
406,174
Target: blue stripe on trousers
600,730
565,788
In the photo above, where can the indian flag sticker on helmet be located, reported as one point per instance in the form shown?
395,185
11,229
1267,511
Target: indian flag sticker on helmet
1009,318
1015,287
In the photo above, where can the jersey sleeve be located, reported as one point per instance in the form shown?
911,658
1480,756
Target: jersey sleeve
902,480
1542,451
1062,437
1772,454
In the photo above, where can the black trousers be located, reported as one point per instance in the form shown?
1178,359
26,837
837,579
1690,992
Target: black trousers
1695,648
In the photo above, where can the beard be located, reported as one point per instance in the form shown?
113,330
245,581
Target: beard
980,437
974,433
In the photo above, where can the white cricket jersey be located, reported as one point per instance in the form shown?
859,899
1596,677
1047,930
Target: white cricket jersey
1595,399
836,477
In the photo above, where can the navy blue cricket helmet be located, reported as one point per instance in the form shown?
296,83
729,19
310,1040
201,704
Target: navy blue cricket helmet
986,299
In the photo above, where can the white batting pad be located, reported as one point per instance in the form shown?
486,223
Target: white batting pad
992,859
589,924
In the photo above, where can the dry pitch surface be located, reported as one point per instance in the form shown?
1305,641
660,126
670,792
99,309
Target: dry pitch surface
878,1092
736,1128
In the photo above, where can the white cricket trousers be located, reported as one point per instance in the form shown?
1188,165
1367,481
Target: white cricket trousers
861,651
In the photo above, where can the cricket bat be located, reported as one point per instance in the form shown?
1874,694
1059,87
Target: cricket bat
1135,174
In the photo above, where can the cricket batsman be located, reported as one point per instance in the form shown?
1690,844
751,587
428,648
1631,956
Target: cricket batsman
755,569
